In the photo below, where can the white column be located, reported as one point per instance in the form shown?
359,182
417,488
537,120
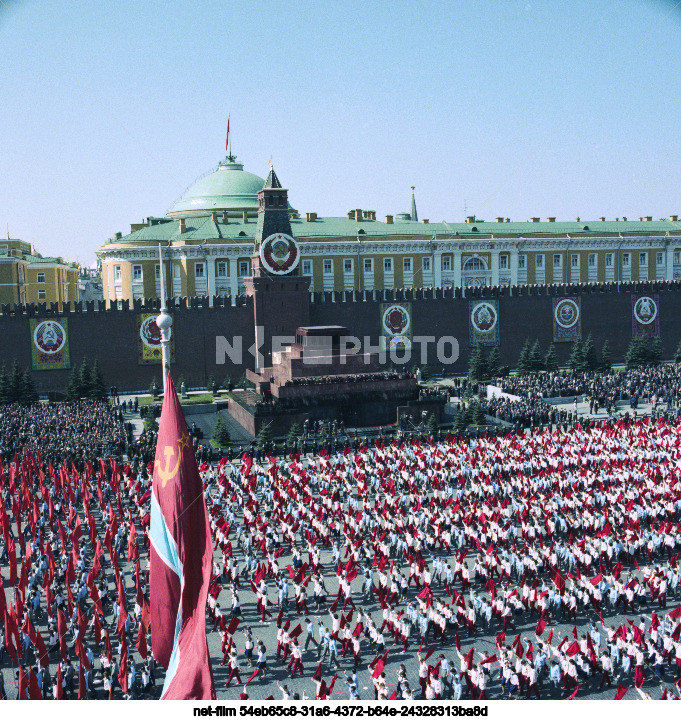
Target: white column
437,269
210,271
669,269
233,277
456,265
514,266
495,267
167,272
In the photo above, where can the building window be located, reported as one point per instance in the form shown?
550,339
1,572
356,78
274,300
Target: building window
503,262
475,263
388,265
660,258
42,295
557,258
521,261
540,261
136,273
608,260
446,262
222,270
626,258
406,265
347,265
368,265
198,270
592,260
677,257
328,266
643,258
574,260
41,277
307,267
117,273
157,271
243,267
426,265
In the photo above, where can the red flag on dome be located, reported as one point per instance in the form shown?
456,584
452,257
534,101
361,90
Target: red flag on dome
181,560
227,136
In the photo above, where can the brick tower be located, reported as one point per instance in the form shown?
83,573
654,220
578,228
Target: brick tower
281,297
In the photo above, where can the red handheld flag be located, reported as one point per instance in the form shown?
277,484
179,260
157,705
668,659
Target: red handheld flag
621,690
233,625
294,633
141,642
378,668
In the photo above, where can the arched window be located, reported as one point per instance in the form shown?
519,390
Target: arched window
475,263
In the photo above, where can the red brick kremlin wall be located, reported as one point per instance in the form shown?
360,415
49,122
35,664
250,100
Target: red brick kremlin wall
524,312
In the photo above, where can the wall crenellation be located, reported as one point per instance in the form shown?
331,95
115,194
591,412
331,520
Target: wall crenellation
147,305
141,305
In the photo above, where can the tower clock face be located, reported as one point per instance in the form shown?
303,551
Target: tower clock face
279,253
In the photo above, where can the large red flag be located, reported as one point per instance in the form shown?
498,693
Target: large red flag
181,560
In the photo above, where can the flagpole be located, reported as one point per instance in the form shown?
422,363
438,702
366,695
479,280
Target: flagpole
164,322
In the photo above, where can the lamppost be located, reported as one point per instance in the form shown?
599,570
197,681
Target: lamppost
164,322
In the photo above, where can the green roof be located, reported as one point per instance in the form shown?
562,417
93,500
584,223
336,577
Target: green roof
47,260
227,187
199,228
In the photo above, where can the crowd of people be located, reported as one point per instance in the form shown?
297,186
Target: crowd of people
574,528
526,404
607,388
71,431
525,412
540,565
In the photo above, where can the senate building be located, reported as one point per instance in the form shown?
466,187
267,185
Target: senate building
208,238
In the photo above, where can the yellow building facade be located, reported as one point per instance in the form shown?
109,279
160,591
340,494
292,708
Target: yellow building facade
28,277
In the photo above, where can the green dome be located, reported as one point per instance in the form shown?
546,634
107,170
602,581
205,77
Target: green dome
229,187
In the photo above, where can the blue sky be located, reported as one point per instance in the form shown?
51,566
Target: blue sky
110,110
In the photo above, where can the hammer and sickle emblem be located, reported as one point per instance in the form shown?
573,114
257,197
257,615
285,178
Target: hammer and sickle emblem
165,474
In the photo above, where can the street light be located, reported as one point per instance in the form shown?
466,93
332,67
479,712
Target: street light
164,322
